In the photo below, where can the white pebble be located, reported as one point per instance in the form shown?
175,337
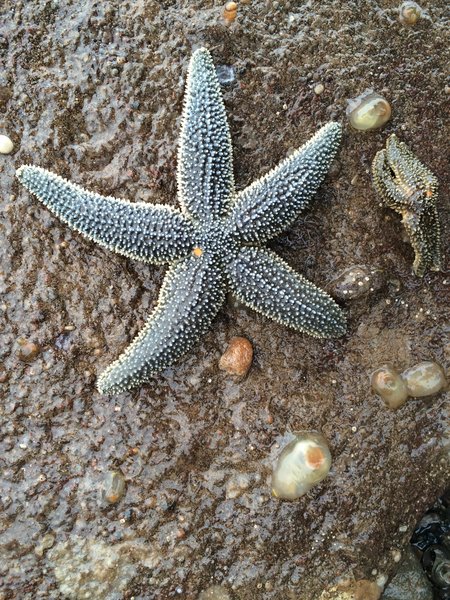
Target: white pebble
319,88
6,145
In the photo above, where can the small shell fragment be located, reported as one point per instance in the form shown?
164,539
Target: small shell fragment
114,486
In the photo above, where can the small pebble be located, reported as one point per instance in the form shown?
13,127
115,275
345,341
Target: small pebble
396,555
28,351
362,589
237,358
230,12
114,486
6,145
319,89
424,379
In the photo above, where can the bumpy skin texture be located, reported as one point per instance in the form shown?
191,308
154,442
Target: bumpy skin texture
212,242
408,187
148,232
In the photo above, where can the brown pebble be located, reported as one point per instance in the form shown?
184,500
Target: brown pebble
28,351
237,358
230,11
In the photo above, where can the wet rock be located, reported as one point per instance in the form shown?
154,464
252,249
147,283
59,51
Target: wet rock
225,74
237,485
114,487
3,374
5,95
409,582
29,351
63,341
237,358
73,117
355,282
85,568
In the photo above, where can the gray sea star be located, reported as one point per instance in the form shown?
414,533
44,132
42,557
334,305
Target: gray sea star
213,243
408,187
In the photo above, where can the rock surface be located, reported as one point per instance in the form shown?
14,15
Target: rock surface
93,91
410,582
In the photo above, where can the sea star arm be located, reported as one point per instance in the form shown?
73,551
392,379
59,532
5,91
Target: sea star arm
190,297
143,231
205,159
424,235
270,204
407,186
263,281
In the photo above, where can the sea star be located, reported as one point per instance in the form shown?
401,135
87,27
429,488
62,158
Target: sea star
408,187
213,242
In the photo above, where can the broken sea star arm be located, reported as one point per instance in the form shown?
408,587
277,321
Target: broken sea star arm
407,186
